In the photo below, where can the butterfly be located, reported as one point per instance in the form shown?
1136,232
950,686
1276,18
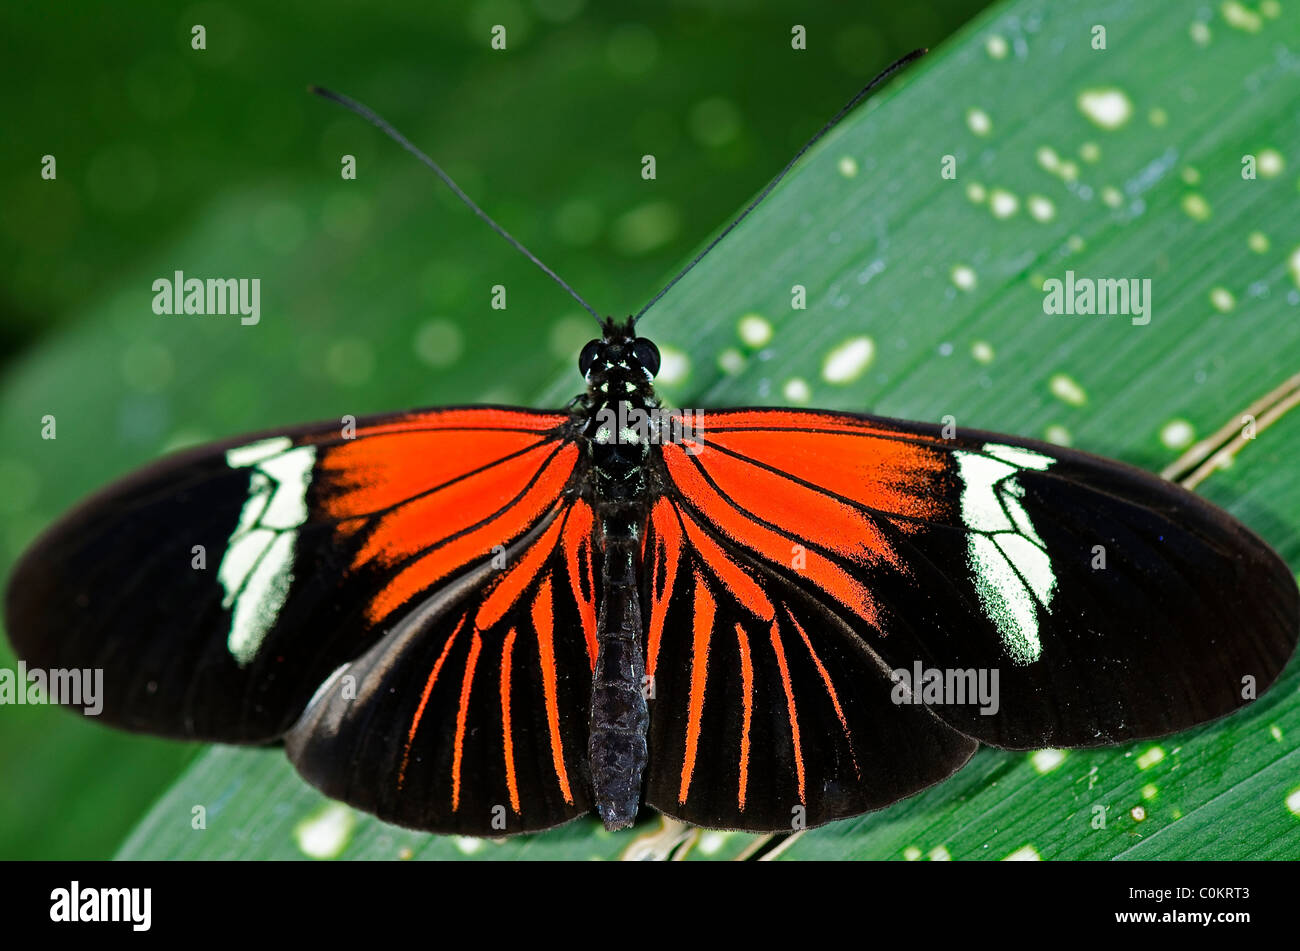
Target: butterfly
491,620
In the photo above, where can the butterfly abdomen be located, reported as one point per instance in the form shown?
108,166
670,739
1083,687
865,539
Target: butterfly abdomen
619,717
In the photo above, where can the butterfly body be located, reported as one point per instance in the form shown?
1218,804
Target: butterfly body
620,391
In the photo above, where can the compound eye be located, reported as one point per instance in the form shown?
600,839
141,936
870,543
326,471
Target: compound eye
588,356
646,354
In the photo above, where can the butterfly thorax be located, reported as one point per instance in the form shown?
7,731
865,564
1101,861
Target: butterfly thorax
620,418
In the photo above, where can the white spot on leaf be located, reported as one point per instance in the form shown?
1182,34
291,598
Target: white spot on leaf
1196,207
849,360
964,277
1026,853
796,390
1240,17
1109,108
1003,203
1047,760
1177,434
978,121
1040,208
1058,435
326,832
1271,163
731,361
1152,756
755,331
1067,390
674,366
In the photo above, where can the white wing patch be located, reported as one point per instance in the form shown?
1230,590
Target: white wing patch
257,568
1010,565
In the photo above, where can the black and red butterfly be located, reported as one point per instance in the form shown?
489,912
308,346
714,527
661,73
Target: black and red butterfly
492,620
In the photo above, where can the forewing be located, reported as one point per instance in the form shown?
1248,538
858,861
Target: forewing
1109,603
219,587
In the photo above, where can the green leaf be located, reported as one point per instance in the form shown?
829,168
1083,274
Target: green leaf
242,804
1117,163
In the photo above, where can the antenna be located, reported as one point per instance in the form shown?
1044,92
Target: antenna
835,120
371,116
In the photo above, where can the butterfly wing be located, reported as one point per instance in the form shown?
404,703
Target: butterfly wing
218,588
768,711
470,715
1112,605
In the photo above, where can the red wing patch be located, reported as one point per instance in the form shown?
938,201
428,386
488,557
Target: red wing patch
430,495
813,493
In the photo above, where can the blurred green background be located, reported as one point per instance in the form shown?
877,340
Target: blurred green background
375,293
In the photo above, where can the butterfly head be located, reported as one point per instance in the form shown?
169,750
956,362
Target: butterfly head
619,362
